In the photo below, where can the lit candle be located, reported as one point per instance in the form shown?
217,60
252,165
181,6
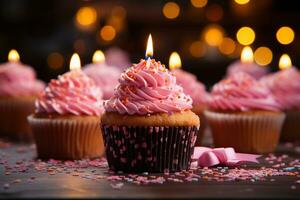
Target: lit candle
247,55
174,61
285,62
13,56
98,57
75,62
149,49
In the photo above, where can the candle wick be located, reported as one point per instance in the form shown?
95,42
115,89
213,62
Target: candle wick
148,62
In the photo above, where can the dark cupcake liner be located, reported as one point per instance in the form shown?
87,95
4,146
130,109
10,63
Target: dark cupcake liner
149,149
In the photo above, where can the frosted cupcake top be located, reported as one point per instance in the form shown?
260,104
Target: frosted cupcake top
191,86
148,88
17,79
285,86
72,93
241,92
106,77
250,68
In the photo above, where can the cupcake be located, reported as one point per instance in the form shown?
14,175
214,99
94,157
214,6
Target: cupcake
247,65
19,88
148,124
66,122
285,86
244,114
196,90
105,76
116,56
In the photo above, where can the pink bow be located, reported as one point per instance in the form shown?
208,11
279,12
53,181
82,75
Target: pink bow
206,157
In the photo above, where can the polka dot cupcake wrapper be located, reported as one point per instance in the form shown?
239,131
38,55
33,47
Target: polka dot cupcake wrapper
149,149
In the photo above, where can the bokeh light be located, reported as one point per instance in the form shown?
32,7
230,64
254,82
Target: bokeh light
213,35
108,33
245,35
241,2
214,12
171,10
285,35
227,46
263,56
55,60
197,49
86,16
199,3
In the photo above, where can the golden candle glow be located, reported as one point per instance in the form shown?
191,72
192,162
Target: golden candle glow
149,49
75,62
285,62
174,61
245,35
98,57
247,55
13,56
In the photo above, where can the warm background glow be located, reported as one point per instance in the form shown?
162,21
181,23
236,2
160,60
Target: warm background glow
86,16
171,10
199,3
263,56
245,36
285,35
213,35
242,2
108,33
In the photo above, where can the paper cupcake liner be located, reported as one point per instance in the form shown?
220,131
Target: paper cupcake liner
67,138
13,118
252,133
291,126
149,149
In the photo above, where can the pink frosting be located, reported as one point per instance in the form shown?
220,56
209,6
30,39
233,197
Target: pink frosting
106,77
191,86
285,86
17,79
72,93
148,88
250,68
241,92
115,56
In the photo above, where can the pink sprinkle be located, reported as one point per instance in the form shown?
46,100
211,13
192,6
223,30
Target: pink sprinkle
293,187
117,186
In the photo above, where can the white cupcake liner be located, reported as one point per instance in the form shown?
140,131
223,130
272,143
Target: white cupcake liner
13,117
291,126
67,138
246,132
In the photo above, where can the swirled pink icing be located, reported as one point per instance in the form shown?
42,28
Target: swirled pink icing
17,79
72,93
148,88
250,68
285,86
191,86
241,92
106,77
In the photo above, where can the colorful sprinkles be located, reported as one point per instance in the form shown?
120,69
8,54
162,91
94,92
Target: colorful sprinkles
97,170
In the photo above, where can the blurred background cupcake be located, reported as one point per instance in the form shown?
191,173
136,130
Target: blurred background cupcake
244,114
67,118
148,125
115,56
192,87
285,86
105,76
247,65
19,88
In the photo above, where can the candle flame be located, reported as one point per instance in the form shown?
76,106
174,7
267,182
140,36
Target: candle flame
98,57
13,56
174,61
285,62
75,62
149,49
247,55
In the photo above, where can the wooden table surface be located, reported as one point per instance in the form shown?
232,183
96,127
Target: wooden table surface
31,183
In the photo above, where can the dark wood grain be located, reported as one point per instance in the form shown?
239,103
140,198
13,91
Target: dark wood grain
63,185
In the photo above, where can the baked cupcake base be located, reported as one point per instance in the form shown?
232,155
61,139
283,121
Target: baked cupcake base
13,117
252,132
199,110
144,144
67,137
291,126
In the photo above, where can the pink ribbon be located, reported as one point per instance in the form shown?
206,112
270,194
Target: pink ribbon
207,157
